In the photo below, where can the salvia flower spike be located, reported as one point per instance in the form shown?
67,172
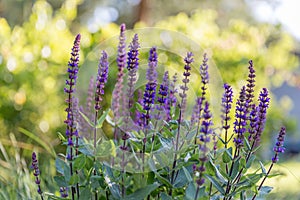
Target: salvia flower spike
121,62
36,173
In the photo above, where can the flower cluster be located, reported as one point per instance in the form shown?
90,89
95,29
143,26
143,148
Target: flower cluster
241,117
278,148
70,89
36,173
149,94
101,79
121,62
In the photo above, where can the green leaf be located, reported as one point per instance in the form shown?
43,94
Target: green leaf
140,108
243,162
235,168
79,162
142,193
60,181
250,161
106,148
74,179
190,191
86,149
265,190
61,137
61,165
187,174
226,157
85,194
263,169
39,140
86,119
102,118
165,196
216,184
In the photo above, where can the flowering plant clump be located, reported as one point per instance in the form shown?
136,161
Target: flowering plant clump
158,150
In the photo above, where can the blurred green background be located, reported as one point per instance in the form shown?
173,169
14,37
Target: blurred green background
35,42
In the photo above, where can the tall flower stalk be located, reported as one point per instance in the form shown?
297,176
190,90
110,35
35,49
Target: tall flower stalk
204,138
278,148
69,90
121,62
36,173
183,95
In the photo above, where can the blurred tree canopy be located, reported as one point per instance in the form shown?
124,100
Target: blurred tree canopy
34,53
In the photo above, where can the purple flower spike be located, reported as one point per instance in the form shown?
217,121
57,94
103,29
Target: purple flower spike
226,106
196,111
36,172
121,62
132,66
163,89
149,94
240,118
71,129
251,83
264,101
171,100
187,68
101,79
278,148
204,75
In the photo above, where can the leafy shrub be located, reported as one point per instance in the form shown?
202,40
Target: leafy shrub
159,151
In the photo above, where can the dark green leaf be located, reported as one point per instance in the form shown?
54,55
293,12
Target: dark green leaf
250,161
215,183
85,194
60,181
74,179
190,191
142,193
60,165
242,163
165,196
187,174
79,162
226,157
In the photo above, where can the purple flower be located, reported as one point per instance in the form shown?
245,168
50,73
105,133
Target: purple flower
149,94
171,99
163,89
204,138
240,118
253,122
204,75
187,68
101,80
251,83
196,111
264,101
63,192
73,66
278,148
121,62
138,115
70,89
132,66
36,172
226,106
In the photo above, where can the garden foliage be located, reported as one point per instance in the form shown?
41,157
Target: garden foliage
158,149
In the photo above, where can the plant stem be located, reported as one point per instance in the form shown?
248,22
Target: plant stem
261,184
